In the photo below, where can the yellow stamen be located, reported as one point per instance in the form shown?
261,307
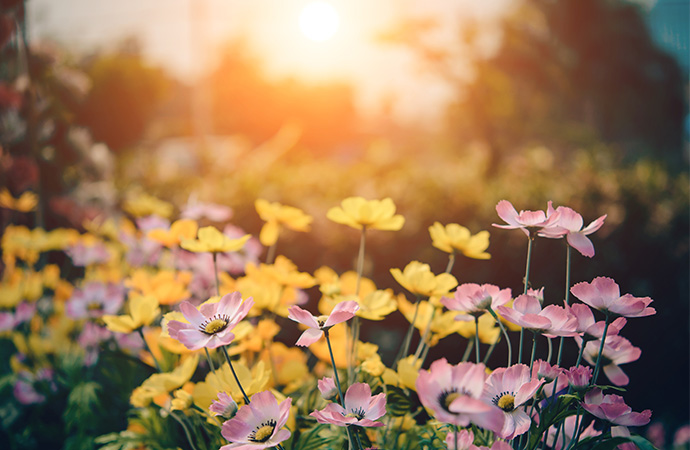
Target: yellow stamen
321,320
215,326
263,433
506,402
449,399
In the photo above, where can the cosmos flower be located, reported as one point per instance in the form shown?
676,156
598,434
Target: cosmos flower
361,409
454,237
604,294
342,312
210,326
224,406
276,215
258,424
358,213
617,350
420,280
570,225
95,299
612,408
550,321
530,222
475,299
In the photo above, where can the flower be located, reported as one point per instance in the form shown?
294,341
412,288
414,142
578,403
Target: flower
588,327
604,294
142,310
259,424
24,203
210,326
461,440
454,237
551,321
359,213
327,388
567,432
213,241
225,406
528,221
275,215
612,408
454,394
211,211
167,286
183,229
361,409
418,279
342,312
509,389
143,205
474,299
578,377
617,350
570,225
95,299
160,383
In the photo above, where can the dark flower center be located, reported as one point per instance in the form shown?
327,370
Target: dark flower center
264,432
214,324
505,401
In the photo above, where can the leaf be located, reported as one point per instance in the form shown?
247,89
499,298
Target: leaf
610,444
397,402
312,439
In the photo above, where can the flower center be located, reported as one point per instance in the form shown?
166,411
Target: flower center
447,397
214,324
506,402
93,306
321,320
356,413
263,433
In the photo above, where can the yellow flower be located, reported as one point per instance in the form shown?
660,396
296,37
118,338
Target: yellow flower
488,331
282,271
161,383
222,380
24,203
419,280
275,215
357,212
142,311
144,205
181,401
373,366
184,229
166,286
408,371
213,241
289,365
454,237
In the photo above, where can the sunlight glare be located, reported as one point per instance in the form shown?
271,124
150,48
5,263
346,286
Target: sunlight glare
319,21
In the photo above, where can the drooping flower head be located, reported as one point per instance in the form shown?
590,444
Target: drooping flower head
578,377
475,299
454,395
612,408
258,424
588,327
210,326
604,294
453,237
361,409
224,406
342,312
570,225
530,222
510,389
327,388
358,213
617,350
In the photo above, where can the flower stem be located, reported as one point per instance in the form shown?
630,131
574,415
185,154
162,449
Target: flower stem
210,362
148,349
601,350
451,261
184,427
337,383
548,356
237,380
360,259
408,337
476,338
468,350
565,299
534,348
530,240
579,356
215,272
271,254
505,335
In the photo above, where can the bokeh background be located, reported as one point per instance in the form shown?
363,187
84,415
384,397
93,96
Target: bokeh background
445,106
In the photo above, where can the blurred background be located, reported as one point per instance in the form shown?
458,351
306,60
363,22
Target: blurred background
445,106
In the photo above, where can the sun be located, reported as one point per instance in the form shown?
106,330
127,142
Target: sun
319,21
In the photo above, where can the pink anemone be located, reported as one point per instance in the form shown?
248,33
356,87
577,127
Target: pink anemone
604,294
258,424
361,409
342,312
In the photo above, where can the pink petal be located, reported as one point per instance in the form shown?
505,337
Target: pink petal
343,311
357,397
616,375
635,419
304,317
507,212
192,314
264,406
522,422
193,339
569,219
377,406
309,336
581,243
527,391
527,304
595,225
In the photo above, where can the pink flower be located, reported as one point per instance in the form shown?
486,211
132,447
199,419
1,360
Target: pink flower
23,313
578,377
342,312
464,438
509,389
587,326
327,388
95,299
682,435
617,350
476,299
604,294
565,435
361,409
259,424
225,406
612,408
210,326
528,221
543,369
211,211
454,394
570,225
84,255
551,321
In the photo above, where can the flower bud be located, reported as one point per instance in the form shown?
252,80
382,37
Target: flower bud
328,389
578,377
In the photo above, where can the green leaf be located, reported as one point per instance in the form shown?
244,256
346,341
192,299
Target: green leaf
313,439
610,444
397,402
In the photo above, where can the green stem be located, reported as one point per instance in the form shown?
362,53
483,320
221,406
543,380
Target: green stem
215,272
505,335
422,341
337,383
579,355
530,241
360,259
534,348
476,338
548,357
451,261
566,299
408,337
210,362
237,380
184,427
601,350
148,349
271,253
468,350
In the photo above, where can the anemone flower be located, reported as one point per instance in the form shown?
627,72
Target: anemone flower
529,222
454,395
475,299
342,312
617,350
570,225
588,327
612,408
361,409
509,389
210,326
258,424
224,406
604,294
551,321
565,435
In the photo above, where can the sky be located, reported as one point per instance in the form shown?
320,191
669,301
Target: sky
182,39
